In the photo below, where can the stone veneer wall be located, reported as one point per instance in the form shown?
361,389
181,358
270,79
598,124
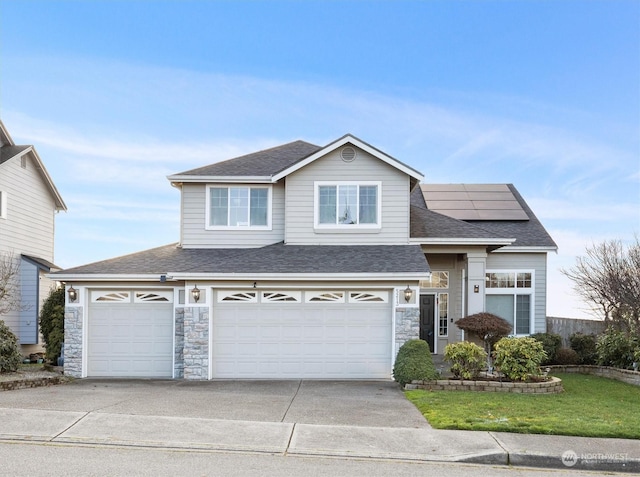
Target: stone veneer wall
73,341
196,343
178,351
407,325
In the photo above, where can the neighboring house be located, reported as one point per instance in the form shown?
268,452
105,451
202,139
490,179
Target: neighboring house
303,261
29,202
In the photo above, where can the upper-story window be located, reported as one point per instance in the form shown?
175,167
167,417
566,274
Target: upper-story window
346,204
237,207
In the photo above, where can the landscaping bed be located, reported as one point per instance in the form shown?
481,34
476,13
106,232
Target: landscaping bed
551,386
31,376
590,406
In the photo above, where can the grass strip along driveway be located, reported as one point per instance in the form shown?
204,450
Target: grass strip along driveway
590,406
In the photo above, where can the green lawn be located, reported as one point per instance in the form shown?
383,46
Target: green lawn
590,406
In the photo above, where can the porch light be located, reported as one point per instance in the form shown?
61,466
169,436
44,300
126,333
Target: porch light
408,293
195,294
73,294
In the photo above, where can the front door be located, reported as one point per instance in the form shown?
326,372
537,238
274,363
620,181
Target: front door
427,311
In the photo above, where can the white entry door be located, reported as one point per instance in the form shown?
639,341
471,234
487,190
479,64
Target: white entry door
336,334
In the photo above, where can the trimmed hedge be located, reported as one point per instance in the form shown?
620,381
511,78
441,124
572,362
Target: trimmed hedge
414,362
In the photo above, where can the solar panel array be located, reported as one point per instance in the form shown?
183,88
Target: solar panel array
473,201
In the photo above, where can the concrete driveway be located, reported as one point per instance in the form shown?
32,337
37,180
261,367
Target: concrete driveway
334,403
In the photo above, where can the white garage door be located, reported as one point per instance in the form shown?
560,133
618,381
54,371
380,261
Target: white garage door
130,334
302,334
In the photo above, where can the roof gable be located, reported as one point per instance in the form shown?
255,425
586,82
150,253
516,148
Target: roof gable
271,165
10,150
354,141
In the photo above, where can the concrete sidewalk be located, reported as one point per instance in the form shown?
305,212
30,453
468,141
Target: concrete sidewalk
414,444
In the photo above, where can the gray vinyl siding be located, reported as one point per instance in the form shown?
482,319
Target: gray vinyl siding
195,235
29,293
527,261
300,201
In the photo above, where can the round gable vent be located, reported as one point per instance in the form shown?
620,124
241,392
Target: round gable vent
348,154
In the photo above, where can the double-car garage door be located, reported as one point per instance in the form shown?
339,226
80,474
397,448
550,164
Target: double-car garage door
285,334
302,334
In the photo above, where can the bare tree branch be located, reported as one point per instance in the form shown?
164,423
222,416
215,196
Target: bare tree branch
10,299
609,278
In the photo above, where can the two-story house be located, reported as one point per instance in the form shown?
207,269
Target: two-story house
29,202
304,261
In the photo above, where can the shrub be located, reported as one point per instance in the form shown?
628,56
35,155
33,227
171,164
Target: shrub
551,344
414,362
10,357
617,348
467,359
585,346
519,358
566,356
52,323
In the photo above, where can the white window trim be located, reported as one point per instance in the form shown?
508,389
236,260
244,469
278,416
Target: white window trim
438,313
3,204
207,217
517,291
345,227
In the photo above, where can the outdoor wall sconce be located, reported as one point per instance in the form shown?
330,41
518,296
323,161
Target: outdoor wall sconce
476,288
73,294
408,293
195,294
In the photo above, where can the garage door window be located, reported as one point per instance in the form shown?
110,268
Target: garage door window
143,296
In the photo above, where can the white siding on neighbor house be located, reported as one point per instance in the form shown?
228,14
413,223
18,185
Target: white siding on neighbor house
299,225
527,261
195,235
29,224
27,229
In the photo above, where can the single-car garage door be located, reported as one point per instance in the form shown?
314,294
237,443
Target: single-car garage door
130,334
336,334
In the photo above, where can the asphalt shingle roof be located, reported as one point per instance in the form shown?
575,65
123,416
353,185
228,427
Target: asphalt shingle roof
276,258
262,163
429,224
7,152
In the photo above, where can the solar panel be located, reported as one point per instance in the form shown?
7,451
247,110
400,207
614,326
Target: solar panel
473,201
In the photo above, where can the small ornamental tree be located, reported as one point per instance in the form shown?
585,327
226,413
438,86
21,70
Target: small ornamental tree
414,362
488,327
10,357
52,323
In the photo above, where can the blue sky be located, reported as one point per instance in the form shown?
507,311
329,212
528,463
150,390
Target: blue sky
116,95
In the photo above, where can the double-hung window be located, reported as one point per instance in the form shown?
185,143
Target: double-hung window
347,204
236,207
510,296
